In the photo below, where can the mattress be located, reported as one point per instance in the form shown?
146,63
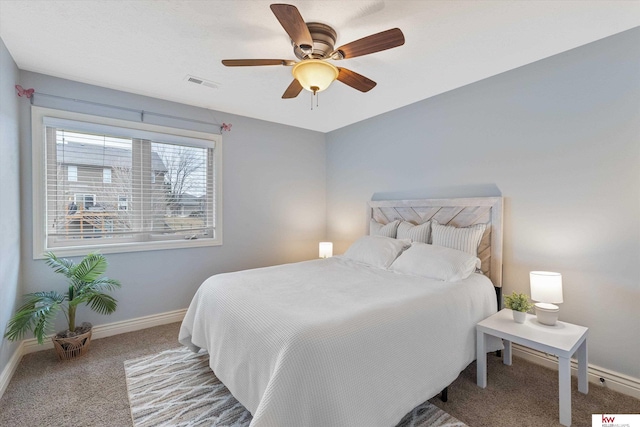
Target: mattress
334,342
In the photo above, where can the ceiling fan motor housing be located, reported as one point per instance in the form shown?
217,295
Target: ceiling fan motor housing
324,38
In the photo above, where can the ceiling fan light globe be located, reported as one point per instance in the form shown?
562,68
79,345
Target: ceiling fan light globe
314,73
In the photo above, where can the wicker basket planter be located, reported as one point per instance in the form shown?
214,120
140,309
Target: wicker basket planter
73,347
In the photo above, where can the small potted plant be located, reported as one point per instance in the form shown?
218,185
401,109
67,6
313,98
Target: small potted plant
40,309
520,304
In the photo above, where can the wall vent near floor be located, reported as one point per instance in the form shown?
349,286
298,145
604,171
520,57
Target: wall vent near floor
202,82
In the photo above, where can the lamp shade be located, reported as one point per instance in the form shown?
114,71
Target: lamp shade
326,250
314,75
546,286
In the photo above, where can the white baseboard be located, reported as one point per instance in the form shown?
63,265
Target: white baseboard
10,369
99,331
110,329
614,380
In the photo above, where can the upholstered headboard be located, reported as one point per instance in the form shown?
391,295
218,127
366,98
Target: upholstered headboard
456,212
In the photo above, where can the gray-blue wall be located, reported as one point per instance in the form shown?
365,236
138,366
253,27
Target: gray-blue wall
273,192
560,140
9,198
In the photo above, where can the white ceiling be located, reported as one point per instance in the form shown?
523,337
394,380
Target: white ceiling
149,47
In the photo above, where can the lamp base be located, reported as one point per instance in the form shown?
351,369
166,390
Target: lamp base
547,314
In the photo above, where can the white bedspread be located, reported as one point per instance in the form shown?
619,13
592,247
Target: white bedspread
335,343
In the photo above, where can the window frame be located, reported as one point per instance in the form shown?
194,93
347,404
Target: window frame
95,123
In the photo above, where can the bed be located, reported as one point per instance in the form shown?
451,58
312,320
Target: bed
338,342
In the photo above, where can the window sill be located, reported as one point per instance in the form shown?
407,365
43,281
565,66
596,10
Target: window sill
68,251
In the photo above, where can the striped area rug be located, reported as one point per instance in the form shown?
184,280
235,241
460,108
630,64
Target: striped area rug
177,388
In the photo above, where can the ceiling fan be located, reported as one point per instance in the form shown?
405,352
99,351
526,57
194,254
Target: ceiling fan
313,44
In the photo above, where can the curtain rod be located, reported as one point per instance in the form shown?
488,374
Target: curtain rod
142,113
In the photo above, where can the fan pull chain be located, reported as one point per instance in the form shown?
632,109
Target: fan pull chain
317,97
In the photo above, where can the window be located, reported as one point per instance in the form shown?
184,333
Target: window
72,173
84,201
136,186
123,203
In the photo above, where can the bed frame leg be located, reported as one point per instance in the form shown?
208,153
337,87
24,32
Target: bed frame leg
444,394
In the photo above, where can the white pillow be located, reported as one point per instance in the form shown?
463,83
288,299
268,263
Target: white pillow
416,233
435,262
387,230
465,239
377,251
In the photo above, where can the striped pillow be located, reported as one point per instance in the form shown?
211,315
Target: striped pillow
465,239
417,233
388,230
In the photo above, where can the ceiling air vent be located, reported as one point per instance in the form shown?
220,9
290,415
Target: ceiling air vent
202,82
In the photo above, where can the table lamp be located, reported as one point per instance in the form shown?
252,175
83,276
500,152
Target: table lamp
325,249
546,288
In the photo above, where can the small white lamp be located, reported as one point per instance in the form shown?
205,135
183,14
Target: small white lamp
546,288
325,249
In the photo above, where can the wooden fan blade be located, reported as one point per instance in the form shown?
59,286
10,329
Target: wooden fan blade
355,80
254,62
293,90
292,22
371,44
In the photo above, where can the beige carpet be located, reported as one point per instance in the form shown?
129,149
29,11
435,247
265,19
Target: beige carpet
177,388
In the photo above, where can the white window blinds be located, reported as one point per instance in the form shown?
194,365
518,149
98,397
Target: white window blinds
109,186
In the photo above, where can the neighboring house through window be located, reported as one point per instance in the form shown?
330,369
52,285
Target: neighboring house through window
128,186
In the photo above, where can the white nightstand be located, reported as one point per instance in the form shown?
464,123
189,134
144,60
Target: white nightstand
564,340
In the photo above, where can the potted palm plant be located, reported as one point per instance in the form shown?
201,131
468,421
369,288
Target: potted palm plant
40,309
520,304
